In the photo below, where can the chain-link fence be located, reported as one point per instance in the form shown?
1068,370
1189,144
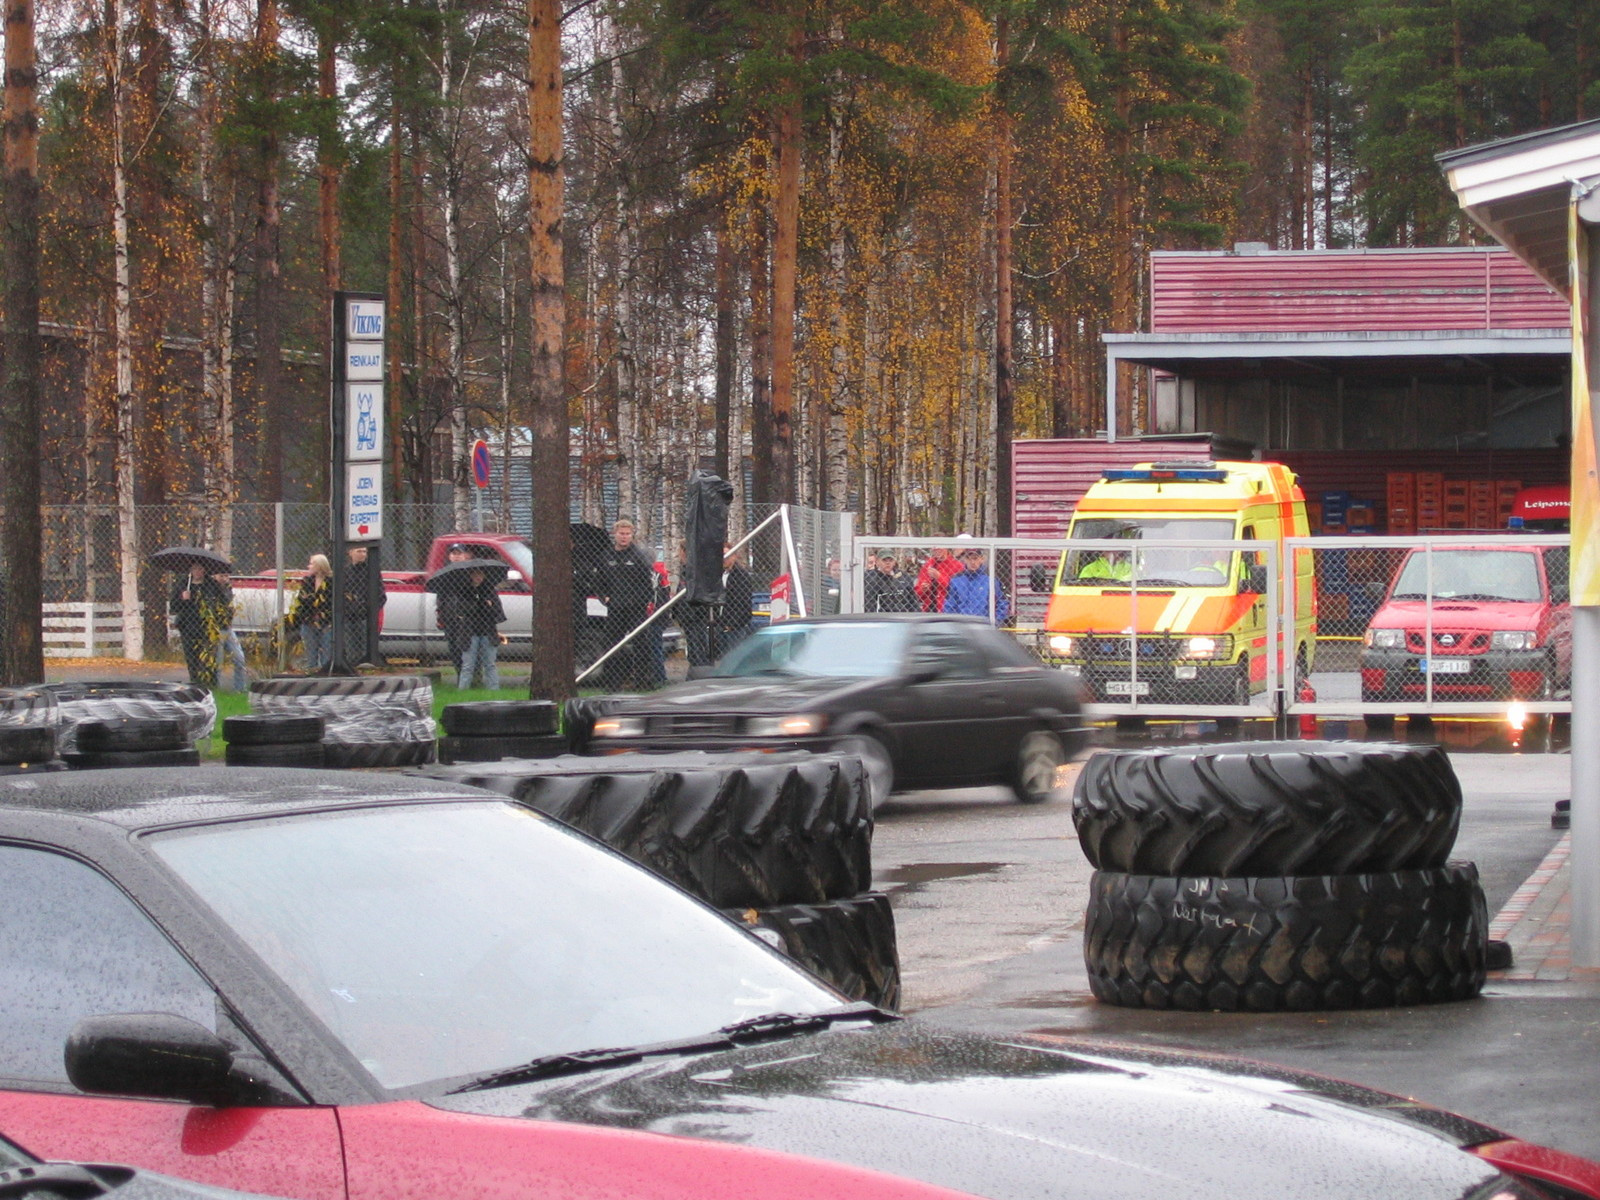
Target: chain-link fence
1151,628
1465,623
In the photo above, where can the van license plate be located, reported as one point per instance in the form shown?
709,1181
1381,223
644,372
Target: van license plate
1445,666
1127,687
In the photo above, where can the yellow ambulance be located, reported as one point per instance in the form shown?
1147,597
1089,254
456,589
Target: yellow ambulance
1177,624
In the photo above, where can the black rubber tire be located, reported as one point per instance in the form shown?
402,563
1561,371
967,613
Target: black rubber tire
499,746
370,686
739,831
501,718
1277,943
27,743
1268,808
1030,780
377,754
33,768
273,754
83,761
848,943
877,764
104,700
272,729
132,733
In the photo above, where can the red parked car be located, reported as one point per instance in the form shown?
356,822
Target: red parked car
336,986
1485,622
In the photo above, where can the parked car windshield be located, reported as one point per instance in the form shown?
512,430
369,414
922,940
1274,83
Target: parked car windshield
1199,567
443,940
849,649
1470,575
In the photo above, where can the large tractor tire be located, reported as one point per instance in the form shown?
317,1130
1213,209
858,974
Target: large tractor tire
1268,808
111,700
1301,943
849,943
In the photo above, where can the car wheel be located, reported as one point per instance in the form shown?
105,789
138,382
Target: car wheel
1038,755
1286,943
850,943
876,765
1267,808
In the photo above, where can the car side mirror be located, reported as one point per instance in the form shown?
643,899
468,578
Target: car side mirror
1254,581
1039,578
923,670
157,1056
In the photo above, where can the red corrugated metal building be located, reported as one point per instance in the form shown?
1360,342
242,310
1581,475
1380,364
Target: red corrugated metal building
1347,365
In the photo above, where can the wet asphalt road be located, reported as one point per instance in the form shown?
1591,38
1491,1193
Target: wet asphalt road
989,898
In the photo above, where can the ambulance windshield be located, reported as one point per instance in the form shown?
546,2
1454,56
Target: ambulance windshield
1152,566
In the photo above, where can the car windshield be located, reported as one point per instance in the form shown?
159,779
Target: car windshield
1470,575
521,557
849,649
445,940
1170,565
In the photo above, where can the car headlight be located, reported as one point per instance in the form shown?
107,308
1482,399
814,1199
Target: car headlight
1206,647
793,725
1061,644
1386,639
618,727
1513,639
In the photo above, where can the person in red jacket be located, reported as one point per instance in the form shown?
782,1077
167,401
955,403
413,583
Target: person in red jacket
933,581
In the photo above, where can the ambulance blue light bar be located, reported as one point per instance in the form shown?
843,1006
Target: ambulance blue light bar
1162,473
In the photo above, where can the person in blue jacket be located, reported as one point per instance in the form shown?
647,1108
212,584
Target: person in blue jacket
969,589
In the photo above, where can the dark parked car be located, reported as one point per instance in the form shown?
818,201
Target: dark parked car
24,1177
368,987
926,701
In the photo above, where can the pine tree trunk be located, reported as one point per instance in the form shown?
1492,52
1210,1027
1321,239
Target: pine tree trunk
1004,385
837,495
21,549
761,442
270,398
785,263
122,350
217,281
726,336
395,364
550,674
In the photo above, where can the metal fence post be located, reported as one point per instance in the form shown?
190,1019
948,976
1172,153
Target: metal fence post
277,564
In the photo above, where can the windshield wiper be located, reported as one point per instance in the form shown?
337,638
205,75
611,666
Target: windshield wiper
754,1029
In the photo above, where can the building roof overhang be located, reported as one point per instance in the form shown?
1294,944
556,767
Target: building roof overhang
1519,189
1436,352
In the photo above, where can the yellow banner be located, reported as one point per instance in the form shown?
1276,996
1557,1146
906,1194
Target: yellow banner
1585,469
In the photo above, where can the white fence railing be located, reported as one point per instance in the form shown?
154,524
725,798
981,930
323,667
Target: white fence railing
82,630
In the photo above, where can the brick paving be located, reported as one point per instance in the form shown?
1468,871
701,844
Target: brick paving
1537,923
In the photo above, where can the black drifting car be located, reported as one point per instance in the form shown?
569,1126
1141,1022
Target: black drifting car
926,701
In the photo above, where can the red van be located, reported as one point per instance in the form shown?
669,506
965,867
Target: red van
1499,621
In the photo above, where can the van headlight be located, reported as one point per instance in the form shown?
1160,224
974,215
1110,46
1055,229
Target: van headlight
618,727
1207,647
1513,639
793,725
1061,644
1386,639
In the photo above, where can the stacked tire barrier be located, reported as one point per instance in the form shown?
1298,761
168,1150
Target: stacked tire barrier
132,742
28,720
117,700
1267,876
778,841
488,730
369,720
273,740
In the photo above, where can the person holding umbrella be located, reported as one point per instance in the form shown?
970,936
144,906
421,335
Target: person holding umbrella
470,611
201,611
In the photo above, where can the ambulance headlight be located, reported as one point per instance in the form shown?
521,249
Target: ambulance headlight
1062,644
1206,647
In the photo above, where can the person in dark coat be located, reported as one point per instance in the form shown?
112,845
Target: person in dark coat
695,619
201,612
627,587
449,612
480,614
732,623
894,592
357,606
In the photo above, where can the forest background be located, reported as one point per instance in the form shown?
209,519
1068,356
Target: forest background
844,250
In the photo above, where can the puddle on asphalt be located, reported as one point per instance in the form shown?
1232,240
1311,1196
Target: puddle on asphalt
917,874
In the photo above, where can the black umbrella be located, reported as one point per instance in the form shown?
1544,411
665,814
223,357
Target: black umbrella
455,574
181,558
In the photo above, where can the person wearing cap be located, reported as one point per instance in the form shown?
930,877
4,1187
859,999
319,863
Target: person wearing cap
969,589
480,617
450,611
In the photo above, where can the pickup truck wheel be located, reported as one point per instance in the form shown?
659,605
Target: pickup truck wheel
1268,808
738,830
1038,755
849,943
132,733
1275,943
484,718
27,743
110,700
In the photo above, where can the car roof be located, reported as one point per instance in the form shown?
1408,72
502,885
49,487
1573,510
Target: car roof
878,618
149,797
